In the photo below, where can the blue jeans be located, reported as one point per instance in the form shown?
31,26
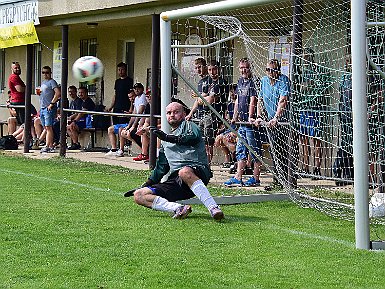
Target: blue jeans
254,137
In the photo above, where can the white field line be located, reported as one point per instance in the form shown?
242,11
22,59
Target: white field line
291,232
313,236
63,181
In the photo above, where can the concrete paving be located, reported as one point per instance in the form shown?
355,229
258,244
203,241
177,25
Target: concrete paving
220,174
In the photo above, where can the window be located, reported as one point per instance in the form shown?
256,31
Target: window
37,64
88,47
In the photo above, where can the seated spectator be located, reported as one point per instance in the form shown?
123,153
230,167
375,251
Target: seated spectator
144,133
226,139
115,129
77,121
19,132
40,132
12,120
129,132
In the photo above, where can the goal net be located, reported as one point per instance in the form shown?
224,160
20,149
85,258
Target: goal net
311,154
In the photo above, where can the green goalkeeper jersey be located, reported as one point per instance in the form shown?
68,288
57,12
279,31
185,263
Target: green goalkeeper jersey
189,151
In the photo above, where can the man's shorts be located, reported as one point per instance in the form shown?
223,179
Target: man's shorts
20,112
80,123
174,189
309,123
118,126
47,116
254,137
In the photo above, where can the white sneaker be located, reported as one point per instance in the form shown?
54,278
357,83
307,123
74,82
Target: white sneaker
119,153
110,153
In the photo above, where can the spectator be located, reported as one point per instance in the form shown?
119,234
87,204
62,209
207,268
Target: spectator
244,112
227,140
309,105
188,170
49,96
273,97
78,120
219,88
120,100
129,132
203,113
116,129
12,119
17,88
142,131
343,165
19,132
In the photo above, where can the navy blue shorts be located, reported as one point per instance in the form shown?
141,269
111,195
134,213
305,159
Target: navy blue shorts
309,122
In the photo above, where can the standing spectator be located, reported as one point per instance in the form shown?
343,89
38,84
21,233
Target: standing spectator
129,132
201,111
244,112
218,87
343,165
49,96
309,105
17,88
77,121
120,101
273,97
183,157
116,129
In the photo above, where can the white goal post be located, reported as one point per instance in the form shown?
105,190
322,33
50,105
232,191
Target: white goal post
359,103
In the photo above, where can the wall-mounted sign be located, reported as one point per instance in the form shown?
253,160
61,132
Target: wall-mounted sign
18,35
19,13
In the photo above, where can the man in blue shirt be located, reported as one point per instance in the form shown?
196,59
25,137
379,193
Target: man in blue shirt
244,112
49,96
273,98
182,156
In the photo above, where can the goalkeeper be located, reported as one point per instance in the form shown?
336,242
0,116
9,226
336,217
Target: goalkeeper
183,157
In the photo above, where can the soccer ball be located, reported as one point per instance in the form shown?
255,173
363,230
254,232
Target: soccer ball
88,69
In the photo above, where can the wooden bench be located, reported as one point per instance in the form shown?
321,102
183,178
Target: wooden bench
2,124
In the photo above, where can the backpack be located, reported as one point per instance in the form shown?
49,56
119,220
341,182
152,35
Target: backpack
8,142
101,121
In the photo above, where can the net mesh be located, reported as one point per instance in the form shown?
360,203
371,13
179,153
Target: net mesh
310,155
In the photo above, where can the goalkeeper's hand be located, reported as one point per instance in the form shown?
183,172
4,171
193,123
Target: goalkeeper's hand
164,136
147,183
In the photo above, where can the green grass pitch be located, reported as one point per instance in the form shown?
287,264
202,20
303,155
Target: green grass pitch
65,224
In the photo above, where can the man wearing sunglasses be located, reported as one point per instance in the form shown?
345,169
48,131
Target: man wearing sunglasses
49,96
271,110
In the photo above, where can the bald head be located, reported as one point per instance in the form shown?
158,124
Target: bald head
175,114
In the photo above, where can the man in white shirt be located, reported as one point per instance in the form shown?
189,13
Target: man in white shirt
129,132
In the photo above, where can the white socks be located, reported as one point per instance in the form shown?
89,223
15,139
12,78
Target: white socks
200,190
161,204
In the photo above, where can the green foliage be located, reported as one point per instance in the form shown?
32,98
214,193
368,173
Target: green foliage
65,224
